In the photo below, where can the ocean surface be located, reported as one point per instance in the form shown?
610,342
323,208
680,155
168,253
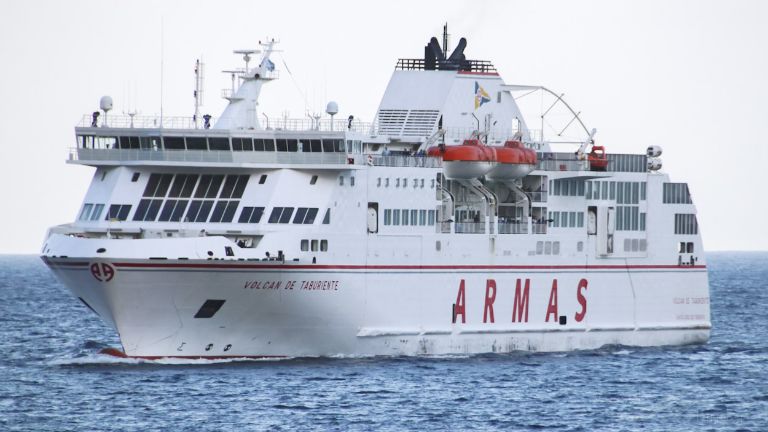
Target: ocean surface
53,379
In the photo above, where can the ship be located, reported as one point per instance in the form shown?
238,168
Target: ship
446,225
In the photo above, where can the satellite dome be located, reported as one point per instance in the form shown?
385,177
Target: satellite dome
332,108
105,103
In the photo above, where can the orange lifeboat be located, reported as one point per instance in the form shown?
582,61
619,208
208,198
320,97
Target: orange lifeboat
469,160
598,160
515,161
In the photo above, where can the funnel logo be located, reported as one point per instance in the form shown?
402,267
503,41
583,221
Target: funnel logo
481,96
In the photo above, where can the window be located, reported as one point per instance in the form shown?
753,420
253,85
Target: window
135,177
221,144
685,223
281,215
173,143
387,217
378,182
305,215
85,214
243,144
183,186
405,216
327,217
352,181
386,182
396,217
209,186
97,212
147,210
118,212
676,193
224,211
314,245
304,245
431,217
422,217
263,179
323,245
251,214
196,143
414,217
157,185
234,187
313,180
199,210
173,210
341,180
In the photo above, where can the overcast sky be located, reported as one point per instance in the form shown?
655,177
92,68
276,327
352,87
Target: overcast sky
691,76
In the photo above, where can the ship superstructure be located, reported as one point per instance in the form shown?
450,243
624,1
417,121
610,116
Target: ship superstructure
446,225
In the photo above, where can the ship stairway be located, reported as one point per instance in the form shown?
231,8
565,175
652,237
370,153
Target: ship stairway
446,209
478,188
523,197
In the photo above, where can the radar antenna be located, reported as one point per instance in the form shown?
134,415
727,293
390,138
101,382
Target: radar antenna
246,56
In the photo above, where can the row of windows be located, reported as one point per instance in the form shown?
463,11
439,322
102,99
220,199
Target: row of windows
566,219
621,192
635,245
629,218
218,143
118,212
547,248
404,182
209,186
409,217
676,193
685,223
341,180
304,215
307,245
91,212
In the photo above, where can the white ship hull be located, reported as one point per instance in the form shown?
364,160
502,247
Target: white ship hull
275,309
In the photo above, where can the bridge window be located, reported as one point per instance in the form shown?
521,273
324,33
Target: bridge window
327,217
129,142
173,143
196,143
85,214
242,144
157,185
220,144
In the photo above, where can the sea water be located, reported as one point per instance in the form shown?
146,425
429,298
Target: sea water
53,379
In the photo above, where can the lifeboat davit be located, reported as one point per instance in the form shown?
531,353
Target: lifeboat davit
469,160
514,161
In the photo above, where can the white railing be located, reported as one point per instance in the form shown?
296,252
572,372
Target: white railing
267,123
406,161
141,122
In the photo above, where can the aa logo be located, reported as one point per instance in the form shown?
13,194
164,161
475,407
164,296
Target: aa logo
103,272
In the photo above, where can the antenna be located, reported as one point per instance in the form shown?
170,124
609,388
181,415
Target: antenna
246,56
198,94
162,43
445,40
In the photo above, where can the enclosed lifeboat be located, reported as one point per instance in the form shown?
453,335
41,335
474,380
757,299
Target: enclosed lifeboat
469,160
514,161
